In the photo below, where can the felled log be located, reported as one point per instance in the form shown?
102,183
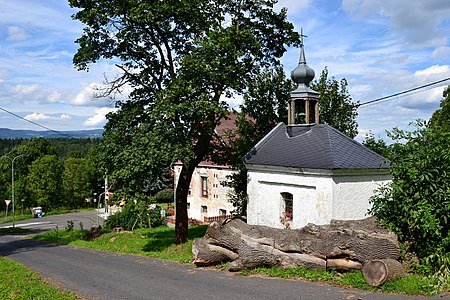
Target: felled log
340,245
378,271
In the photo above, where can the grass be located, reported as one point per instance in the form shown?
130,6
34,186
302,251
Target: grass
19,283
411,284
151,242
158,243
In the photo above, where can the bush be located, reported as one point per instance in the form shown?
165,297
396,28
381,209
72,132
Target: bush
164,196
416,205
134,216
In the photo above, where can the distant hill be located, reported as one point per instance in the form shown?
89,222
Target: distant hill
6,133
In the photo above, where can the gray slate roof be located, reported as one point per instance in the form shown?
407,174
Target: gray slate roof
312,146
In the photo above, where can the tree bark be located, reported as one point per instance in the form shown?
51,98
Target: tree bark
181,216
378,271
340,245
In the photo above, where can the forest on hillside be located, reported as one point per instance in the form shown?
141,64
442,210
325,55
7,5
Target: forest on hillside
52,173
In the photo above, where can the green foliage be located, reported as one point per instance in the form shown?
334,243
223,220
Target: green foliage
310,274
19,283
265,105
377,145
440,119
70,225
152,242
76,181
85,178
135,216
416,205
336,106
45,182
180,62
164,196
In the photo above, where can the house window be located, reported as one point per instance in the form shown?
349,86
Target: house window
287,203
188,205
222,212
204,186
189,192
204,209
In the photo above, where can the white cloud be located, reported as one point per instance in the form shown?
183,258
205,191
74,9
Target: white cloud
37,117
65,117
417,23
441,52
433,70
293,6
16,33
99,117
87,95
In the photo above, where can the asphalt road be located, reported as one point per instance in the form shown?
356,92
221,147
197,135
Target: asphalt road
87,219
105,275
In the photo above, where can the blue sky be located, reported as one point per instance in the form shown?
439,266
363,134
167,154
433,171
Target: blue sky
380,47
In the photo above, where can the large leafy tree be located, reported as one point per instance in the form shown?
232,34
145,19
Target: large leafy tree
76,181
440,119
45,182
416,205
181,57
263,107
336,106
130,157
33,149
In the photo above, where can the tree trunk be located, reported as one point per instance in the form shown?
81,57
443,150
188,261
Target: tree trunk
378,271
181,217
340,245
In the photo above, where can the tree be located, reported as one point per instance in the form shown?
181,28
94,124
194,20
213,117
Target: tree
129,156
181,58
76,181
336,106
440,119
45,182
416,205
264,106
377,145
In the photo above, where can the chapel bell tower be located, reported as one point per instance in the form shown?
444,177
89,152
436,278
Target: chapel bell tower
303,101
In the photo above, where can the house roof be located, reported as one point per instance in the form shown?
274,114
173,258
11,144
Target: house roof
312,146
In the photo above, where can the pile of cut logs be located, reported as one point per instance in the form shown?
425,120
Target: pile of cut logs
342,245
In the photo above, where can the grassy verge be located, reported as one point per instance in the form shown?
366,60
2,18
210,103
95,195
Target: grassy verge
17,282
158,243
411,284
152,242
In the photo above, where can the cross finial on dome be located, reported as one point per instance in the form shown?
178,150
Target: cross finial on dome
302,74
302,36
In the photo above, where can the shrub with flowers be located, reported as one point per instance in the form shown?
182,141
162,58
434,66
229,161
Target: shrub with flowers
285,219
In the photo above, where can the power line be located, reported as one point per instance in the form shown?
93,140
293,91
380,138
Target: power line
34,123
403,92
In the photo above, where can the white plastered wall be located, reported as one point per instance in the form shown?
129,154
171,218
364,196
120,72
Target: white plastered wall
318,195
352,192
312,195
